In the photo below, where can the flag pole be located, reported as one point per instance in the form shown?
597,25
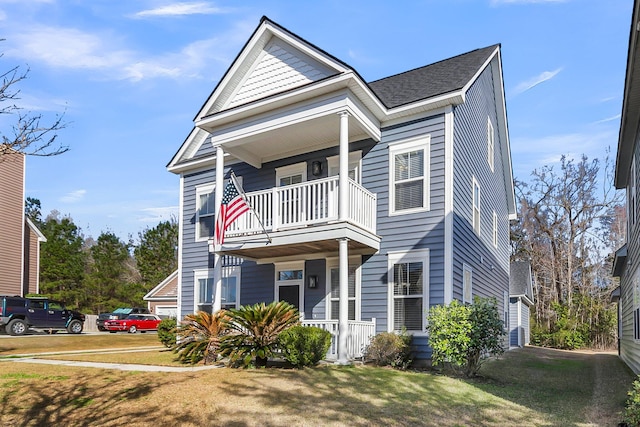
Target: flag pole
244,197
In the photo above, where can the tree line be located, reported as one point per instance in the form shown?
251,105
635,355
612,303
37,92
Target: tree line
570,222
100,275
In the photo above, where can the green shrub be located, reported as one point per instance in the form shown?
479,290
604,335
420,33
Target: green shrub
389,349
464,335
632,405
304,345
253,332
167,332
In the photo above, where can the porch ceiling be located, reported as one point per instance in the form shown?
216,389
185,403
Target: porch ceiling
290,140
306,250
302,243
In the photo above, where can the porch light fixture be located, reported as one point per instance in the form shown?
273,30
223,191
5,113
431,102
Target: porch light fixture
316,167
312,281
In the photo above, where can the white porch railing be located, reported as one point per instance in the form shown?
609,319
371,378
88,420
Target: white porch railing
360,334
307,203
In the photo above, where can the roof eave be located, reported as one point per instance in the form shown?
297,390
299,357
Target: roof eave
630,106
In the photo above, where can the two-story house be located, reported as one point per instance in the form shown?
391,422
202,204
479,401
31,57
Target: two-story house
371,201
19,237
627,171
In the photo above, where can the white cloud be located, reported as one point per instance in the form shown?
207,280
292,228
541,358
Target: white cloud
73,196
158,214
181,9
535,81
532,153
74,49
609,119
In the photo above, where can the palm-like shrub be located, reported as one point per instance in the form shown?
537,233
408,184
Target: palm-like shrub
199,337
254,331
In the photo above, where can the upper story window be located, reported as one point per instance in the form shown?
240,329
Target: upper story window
409,176
490,144
476,206
354,166
205,212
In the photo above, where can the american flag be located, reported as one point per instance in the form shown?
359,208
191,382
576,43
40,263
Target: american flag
233,205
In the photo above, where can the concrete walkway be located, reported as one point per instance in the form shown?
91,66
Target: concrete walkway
33,358
118,366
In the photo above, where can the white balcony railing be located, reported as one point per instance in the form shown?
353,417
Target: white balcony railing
360,335
307,203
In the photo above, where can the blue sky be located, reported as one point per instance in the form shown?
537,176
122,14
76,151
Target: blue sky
131,75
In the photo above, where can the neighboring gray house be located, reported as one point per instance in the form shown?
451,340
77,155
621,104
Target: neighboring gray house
380,198
627,261
520,302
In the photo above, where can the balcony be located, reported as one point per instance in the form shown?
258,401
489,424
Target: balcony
304,218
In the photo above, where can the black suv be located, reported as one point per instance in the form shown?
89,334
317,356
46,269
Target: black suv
118,313
18,314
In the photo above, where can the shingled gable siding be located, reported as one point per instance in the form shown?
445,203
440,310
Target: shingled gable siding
405,232
470,160
11,223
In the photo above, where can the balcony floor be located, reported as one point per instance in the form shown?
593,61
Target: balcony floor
302,243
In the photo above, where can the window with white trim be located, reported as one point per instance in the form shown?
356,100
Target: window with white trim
230,287
204,290
495,229
334,291
409,176
467,284
476,206
291,174
355,173
408,289
205,211
490,144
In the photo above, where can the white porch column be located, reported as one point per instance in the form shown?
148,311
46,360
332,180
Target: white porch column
343,182
343,313
217,259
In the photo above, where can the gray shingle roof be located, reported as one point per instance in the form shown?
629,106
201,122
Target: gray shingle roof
520,279
431,80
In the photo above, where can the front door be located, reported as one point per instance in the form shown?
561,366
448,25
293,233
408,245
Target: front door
289,280
290,294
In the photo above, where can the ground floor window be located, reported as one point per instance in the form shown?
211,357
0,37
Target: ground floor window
205,289
408,290
353,290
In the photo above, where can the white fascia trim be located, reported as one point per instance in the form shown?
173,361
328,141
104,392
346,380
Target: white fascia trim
505,144
448,205
203,164
333,103
480,70
187,146
35,229
452,98
180,245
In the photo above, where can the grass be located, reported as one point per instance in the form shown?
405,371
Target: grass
530,387
33,344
